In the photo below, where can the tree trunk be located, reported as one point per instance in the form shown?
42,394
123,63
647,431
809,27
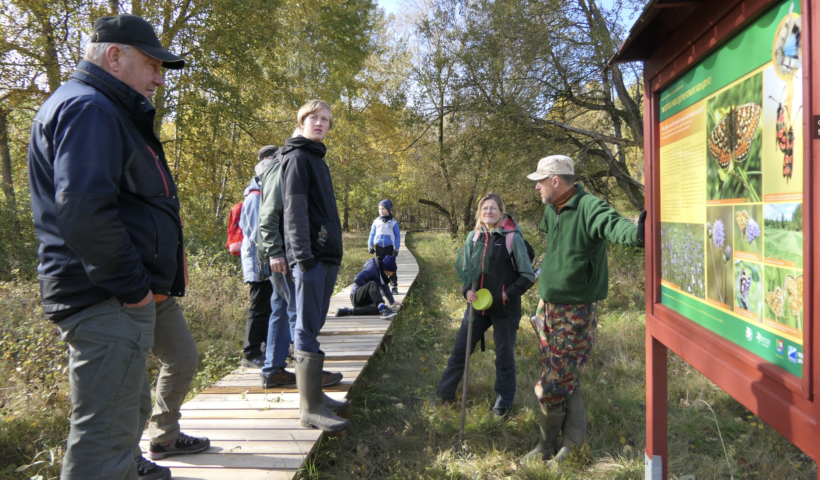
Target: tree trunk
8,181
50,60
221,200
450,218
114,7
346,219
467,218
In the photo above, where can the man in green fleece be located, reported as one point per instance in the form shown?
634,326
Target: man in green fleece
577,226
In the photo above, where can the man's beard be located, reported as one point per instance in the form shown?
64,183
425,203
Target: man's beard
548,199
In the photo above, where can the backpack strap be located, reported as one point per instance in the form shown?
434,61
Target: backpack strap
510,236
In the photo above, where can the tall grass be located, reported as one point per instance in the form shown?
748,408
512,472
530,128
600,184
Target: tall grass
397,432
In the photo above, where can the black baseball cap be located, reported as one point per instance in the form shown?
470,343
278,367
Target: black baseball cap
135,31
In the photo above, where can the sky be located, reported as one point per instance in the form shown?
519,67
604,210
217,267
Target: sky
773,211
389,6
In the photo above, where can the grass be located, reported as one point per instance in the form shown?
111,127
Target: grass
783,244
397,433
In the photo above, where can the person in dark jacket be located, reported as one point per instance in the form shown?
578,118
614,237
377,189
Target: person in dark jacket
111,253
313,248
368,287
509,275
259,310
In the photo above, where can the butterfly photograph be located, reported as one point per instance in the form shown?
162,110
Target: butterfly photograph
734,142
749,287
748,226
784,296
787,51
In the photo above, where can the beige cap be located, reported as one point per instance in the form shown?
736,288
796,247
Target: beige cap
553,165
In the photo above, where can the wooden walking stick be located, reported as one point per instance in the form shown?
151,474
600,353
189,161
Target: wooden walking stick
466,372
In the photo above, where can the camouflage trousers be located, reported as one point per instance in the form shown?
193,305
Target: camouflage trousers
567,334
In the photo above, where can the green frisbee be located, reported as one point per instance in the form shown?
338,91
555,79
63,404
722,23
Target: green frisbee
484,301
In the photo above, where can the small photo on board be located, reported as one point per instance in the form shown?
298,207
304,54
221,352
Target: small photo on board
749,289
734,142
783,234
782,136
748,226
784,296
682,257
719,255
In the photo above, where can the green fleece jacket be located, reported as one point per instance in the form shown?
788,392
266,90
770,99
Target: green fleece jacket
270,237
574,269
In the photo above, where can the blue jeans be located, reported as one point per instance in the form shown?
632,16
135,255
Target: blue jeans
313,291
505,330
283,314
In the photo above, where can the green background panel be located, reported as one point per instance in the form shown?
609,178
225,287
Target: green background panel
748,50
733,329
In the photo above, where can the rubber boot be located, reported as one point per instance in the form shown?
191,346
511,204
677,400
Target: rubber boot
574,429
312,409
335,406
549,423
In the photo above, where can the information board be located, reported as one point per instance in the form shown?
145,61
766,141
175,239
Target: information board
731,190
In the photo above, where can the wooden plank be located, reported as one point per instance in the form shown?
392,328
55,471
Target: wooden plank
240,424
301,434
248,447
220,461
256,433
230,473
252,389
241,414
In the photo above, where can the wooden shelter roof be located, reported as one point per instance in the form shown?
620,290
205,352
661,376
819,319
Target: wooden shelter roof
659,20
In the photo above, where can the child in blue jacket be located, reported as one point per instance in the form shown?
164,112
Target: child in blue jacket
370,290
385,238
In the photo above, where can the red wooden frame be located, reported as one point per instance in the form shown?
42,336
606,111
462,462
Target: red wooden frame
788,404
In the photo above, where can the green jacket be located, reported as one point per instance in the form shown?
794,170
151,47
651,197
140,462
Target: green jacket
270,237
574,269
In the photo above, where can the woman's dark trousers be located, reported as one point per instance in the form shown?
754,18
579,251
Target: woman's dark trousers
504,332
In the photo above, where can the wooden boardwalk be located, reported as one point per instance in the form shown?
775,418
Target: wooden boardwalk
256,434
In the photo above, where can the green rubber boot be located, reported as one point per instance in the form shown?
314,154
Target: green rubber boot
549,423
312,409
574,429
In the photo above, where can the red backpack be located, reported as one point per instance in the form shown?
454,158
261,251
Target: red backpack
235,236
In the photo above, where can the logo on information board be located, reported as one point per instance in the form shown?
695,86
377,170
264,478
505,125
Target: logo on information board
749,333
792,354
779,346
763,341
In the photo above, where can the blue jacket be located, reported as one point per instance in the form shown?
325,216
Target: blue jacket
249,223
379,237
372,272
104,202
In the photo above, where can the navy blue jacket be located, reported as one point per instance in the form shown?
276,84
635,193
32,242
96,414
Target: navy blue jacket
104,202
372,272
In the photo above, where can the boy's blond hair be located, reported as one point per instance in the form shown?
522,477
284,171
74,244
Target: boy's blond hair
313,106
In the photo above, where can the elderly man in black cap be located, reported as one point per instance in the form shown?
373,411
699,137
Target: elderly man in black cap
111,253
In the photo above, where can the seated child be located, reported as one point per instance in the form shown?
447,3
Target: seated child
368,287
